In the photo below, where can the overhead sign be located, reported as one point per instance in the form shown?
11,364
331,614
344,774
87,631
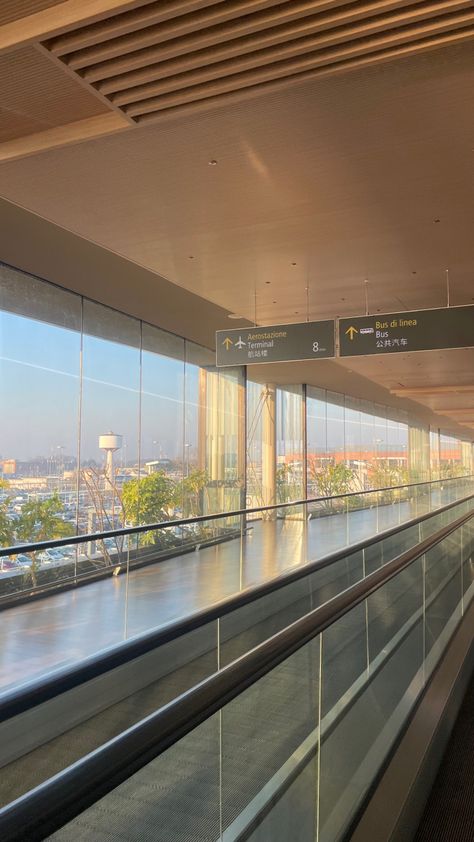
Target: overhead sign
275,343
419,330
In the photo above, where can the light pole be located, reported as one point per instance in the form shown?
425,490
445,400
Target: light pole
186,459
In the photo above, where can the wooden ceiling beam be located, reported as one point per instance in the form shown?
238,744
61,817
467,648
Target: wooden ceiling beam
58,19
81,130
460,414
406,391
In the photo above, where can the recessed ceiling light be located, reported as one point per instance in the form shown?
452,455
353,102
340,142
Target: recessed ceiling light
234,316
436,220
212,162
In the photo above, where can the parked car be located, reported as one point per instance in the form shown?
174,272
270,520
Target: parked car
7,564
21,560
48,556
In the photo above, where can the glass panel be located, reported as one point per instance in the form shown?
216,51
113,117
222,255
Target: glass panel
214,425
174,798
316,433
443,595
251,624
269,740
117,700
110,419
357,731
334,578
39,372
352,436
289,446
467,572
162,460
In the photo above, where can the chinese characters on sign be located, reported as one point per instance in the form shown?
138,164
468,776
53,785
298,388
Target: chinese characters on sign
419,330
276,343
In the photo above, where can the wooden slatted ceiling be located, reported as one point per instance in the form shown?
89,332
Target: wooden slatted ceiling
11,10
168,56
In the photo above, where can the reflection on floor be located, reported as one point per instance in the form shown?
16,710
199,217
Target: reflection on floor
68,626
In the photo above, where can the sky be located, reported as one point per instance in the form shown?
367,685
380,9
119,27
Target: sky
40,381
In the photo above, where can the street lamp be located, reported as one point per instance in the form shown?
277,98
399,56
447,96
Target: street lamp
186,458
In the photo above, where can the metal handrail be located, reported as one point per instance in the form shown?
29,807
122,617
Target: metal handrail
43,689
167,524
52,804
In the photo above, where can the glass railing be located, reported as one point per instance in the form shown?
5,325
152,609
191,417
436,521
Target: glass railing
133,679
285,742
289,534
70,627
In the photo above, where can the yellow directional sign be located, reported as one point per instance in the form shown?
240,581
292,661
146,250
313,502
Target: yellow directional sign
275,343
416,330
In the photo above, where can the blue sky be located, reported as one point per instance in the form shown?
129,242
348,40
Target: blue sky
40,385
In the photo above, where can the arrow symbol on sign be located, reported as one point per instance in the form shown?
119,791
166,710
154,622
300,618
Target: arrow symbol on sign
227,342
351,332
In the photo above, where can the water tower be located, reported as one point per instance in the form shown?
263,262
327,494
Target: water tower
110,443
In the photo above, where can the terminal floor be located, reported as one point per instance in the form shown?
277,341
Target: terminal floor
42,635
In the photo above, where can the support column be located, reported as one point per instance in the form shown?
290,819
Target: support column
269,450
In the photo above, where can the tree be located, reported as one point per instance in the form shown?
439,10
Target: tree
41,520
287,483
149,500
107,506
332,479
383,474
7,526
189,491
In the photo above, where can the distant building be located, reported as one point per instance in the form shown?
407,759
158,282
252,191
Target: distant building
158,465
8,467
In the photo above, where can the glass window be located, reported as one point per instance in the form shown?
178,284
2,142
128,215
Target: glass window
289,453
40,383
110,415
317,445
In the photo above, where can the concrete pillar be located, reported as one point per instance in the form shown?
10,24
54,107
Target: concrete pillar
269,449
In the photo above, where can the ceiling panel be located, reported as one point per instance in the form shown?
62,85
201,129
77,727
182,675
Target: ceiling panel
343,177
13,125
11,10
436,369
35,89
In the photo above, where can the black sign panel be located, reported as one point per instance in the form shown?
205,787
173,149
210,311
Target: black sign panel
420,330
275,343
